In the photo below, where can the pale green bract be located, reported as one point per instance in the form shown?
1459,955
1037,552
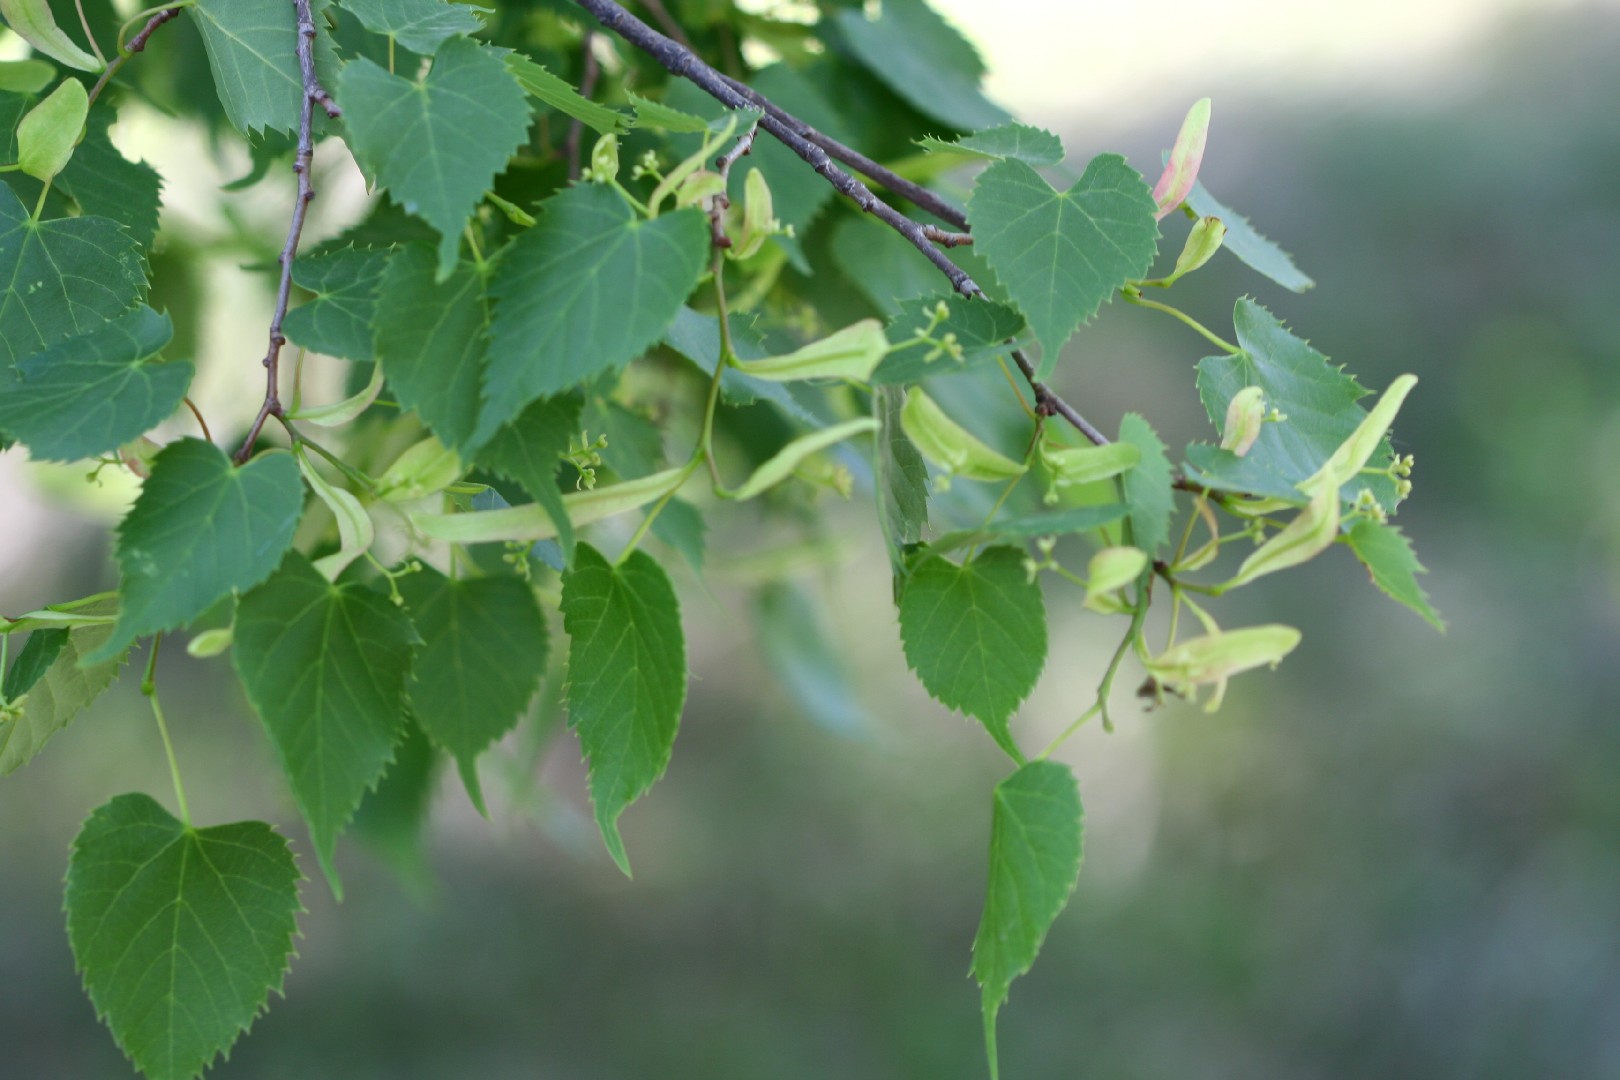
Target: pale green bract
54,696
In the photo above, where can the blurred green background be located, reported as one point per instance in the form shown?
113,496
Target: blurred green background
1398,856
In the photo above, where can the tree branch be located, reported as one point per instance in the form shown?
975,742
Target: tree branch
136,44
314,94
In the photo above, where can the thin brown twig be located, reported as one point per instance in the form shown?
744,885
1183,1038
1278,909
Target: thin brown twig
947,239
314,94
136,44
192,405
722,201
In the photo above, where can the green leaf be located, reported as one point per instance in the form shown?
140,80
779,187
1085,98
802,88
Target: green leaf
1022,142
91,394
1031,526
924,60
1035,851
1317,397
1060,254
584,292
253,49
697,337
338,320
390,820
52,697
882,264
26,76
181,933
482,657
982,328
975,634
1148,490
325,665
1244,241
626,678
33,21
1222,470
47,135
64,278
544,86
436,145
199,531
900,474
528,451
1388,556
656,114
419,25
106,183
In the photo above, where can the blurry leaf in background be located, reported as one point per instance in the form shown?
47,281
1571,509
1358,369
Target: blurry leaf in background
924,59
810,664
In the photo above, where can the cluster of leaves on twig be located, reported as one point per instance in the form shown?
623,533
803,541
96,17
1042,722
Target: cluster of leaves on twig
553,289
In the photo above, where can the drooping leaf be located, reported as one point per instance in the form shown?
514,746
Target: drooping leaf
626,678
50,698
1148,490
482,657
1035,852
419,25
181,933
584,292
199,531
1034,145
430,341
325,666
337,321
1245,241
1388,556
436,145
982,331
1060,254
253,49
91,394
900,474
556,92
107,184
922,58
975,634
528,451
63,278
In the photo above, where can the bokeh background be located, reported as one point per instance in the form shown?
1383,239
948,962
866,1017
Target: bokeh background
1398,856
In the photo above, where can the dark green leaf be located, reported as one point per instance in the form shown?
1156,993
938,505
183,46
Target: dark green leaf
882,264
1244,241
626,678
199,531
1222,470
899,473
253,49
181,933
93,393
105,183
982,329
338,320
436,145
430,341
63,278
1148,490
392,817
975,634
419,25
482,657
1035,851
528,450
1021,141
325,666
51,698
1060,254
1388,556
583,292
697,337
922,58
681,526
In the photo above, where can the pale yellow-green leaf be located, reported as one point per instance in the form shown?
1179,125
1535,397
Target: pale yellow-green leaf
527,523
47,135
791,456
951,446
851,353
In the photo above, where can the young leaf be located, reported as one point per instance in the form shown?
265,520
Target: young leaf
253,49
324,665
1035,852
528,451
626,678
64,278
91,394
430,341
1181,171
482,657
975,634
44,702
851,353
544,86
419,25
922,58
47,135
982,330
1244,240
1060,254
791,456
436,145
199,531
1148,490
181,933
584,292
338,320
32,21
1388,556
1212,659
1034,145
356,532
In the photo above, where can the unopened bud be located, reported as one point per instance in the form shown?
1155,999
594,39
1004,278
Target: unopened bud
1244,417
